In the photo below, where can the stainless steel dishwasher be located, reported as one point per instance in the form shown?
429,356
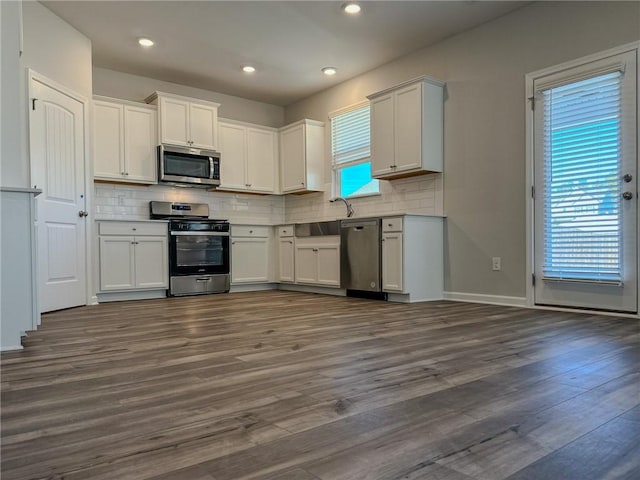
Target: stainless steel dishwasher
360,256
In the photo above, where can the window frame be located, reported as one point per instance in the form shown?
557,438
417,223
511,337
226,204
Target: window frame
336,168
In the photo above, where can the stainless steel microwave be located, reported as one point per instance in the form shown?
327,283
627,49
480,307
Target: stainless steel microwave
188,166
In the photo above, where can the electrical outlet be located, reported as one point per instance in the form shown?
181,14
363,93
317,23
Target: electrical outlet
496,264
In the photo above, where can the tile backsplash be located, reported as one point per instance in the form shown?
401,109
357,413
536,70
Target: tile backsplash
131,202
420,195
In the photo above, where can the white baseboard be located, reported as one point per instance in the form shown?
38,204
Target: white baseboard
136,295
253,287
482,298
11,348
341,292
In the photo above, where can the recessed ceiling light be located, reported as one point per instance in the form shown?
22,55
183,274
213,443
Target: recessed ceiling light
145,42
329,71
351,8
248,69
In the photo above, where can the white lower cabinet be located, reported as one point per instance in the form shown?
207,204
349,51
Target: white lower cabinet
251,254
317,260
392,262
412,258
133,256
286,254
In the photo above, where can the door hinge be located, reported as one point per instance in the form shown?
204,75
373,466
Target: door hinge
533,192
532,101
533,279
33,103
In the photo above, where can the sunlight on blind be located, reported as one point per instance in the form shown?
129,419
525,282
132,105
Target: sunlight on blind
350,136
582,153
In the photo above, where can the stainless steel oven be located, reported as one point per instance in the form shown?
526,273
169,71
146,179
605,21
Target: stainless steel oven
199,260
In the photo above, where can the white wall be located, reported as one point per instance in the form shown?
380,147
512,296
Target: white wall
136,88
484,179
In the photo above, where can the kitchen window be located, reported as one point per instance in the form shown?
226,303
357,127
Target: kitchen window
351,152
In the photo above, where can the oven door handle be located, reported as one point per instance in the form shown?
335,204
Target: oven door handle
201,234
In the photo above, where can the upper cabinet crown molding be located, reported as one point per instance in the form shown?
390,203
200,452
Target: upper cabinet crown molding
407,125
186,121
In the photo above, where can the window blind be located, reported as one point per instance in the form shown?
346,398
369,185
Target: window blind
350,136
582,159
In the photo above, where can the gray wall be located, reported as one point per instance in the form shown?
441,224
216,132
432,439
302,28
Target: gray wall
11,168
484,180
136,88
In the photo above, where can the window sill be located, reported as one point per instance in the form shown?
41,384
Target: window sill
364,195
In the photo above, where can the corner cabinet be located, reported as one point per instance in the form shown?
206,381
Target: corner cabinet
186,121
124,141
302,157
251,255
133,256
249,157
407,129
412,258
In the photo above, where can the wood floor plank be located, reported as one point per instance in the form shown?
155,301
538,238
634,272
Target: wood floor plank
289,386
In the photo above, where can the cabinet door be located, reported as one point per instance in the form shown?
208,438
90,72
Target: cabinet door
249,260
174,121
392,262
151,262
261,159
305,264
204,126
286,263
140,140
108,150
328,265
117,269
292,156
382,138
408,128
233,156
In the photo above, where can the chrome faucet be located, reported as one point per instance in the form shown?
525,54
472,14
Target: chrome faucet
350,211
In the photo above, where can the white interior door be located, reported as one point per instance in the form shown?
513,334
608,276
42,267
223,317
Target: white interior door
585,207
56,135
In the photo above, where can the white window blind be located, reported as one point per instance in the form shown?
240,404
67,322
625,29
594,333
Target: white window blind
350,136
582,197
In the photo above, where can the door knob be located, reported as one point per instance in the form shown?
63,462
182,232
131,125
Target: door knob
627,177
83,213
627,195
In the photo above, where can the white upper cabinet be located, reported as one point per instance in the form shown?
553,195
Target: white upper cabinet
407,129
186,121
302,157
248,157
124,141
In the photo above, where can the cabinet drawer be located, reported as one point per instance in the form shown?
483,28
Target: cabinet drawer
393,224
249,231
133,228
285,231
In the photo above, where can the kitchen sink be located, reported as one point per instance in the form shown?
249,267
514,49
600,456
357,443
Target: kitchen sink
317,229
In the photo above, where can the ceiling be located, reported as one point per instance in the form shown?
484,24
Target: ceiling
204,44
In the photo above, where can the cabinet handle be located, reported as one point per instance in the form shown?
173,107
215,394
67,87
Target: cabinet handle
134,229
315,249
122,173
383,239
250,231
233,243
290,242
133,243
127,173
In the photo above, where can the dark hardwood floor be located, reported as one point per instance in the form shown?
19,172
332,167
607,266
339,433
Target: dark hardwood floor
290,386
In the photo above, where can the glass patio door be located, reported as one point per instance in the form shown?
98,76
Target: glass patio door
585,207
